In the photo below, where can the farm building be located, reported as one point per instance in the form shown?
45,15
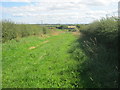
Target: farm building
72,27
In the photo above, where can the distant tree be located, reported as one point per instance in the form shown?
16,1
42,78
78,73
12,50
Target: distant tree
63,27
44,30
78,26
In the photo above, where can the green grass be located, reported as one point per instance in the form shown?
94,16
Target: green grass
61,61
49,65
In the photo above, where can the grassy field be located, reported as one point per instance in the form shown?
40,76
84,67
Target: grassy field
36,62
55,58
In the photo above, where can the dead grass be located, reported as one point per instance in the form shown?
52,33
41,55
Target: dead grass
76,33
33,47
57,33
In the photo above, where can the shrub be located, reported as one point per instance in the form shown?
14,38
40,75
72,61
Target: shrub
99,43
105,30
63,27
10,30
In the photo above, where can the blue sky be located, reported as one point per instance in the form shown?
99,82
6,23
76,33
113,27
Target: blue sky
57,11
14,4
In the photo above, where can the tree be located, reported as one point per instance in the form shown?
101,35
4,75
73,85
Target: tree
63,26
78,26
44,30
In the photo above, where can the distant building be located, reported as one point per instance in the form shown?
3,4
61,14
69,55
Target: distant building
71,27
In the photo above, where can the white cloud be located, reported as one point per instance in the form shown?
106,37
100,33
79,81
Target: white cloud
52,11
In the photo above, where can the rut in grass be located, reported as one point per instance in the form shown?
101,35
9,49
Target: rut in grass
33,47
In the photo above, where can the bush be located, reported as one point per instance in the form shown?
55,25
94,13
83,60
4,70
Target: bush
78,26
10,30
63,27
44,30
99,43
105,30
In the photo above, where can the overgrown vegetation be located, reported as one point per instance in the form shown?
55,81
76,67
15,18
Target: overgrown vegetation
98,41
11,30
78,26
60,60
105,30
48,65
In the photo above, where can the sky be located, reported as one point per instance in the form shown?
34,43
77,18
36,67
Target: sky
57,11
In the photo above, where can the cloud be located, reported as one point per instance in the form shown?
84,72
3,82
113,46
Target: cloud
53,11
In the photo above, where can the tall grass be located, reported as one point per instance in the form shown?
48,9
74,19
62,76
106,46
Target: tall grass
99,42
105,30
11,30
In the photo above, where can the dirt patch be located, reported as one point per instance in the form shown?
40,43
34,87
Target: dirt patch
45,42
55,33
76,33
43,36
33,47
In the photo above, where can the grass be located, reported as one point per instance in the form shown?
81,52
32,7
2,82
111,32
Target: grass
58,59
49,65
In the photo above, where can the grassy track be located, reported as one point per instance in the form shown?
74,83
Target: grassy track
35,62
